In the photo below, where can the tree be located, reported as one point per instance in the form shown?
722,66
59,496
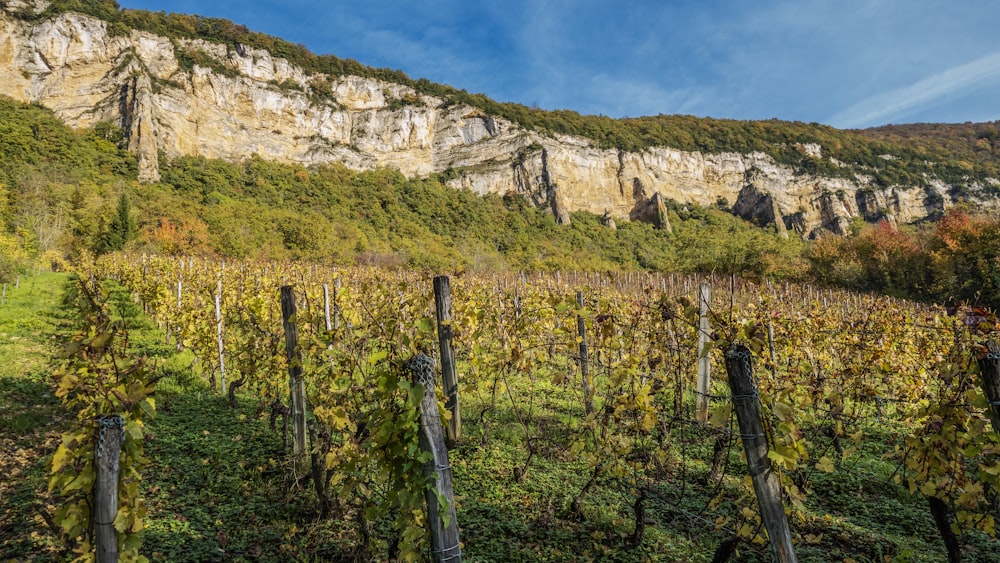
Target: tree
120,230
964,256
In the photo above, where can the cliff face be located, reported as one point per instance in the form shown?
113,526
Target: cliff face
246,102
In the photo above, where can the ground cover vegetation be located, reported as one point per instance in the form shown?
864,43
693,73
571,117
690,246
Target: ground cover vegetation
871,408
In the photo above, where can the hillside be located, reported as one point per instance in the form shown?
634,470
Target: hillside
60,189
193,86
972,146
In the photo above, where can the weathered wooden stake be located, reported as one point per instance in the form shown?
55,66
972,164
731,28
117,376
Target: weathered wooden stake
765,481
296,385
336,304
443,520
218,336
449,374
989,368
110,435
326,307
177,326
770,347
704,361
3,300
581,329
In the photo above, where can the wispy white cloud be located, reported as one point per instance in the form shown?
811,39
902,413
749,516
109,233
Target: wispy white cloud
632,98
854,62
895,104
406,52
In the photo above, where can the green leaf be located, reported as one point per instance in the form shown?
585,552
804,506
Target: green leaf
425,324
443,509
416,395
148,406
101,340
134,429
121,521
707,349
785,456
776,457
991,469
82,482
377,356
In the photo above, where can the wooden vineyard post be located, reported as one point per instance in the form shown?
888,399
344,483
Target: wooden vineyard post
145,307
107,465
989,368
449,375
326,307
704,361
336,304
327,322
765,481
443,520
297,404
177,325
581,329
770,347
218,333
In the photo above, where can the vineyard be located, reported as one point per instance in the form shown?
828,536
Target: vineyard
602,408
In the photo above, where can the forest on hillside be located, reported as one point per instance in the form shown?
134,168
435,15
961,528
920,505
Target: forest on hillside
66,196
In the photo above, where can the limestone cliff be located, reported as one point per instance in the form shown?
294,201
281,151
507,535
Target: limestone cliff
247,102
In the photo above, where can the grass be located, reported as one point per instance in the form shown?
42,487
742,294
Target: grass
32,325
218,485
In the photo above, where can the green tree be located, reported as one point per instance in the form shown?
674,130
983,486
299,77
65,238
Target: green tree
120,230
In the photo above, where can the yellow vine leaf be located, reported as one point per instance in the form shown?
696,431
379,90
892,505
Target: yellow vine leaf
780,458
719,416
783,411
928,489
825,464
59,458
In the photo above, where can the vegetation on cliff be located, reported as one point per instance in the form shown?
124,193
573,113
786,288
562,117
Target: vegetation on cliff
67,200
65,195
964,158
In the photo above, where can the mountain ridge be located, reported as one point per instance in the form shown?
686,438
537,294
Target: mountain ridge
179,96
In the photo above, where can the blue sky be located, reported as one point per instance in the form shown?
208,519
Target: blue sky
846,63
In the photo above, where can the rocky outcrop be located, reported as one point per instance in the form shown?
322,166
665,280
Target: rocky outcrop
248,102
652,211
759,207
136,110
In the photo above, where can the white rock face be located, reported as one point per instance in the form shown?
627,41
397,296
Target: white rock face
263,105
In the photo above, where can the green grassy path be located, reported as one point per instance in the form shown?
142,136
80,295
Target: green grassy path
32,325
216,484
218,488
